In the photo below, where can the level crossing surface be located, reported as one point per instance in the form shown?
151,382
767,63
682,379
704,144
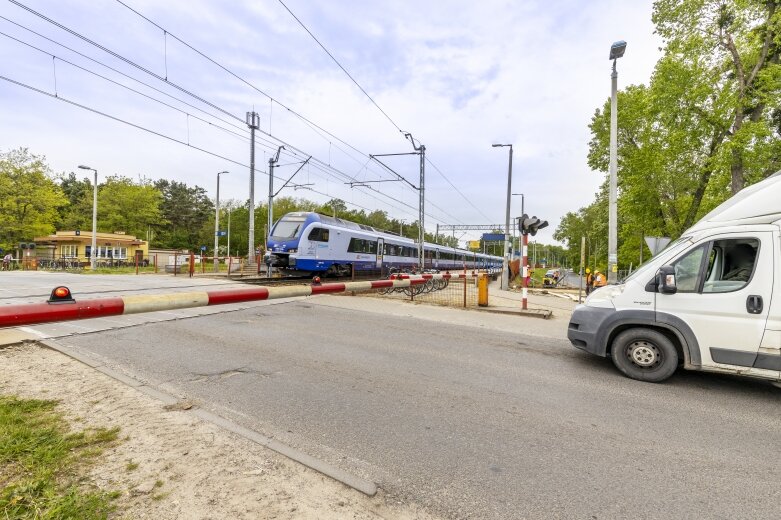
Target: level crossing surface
472,422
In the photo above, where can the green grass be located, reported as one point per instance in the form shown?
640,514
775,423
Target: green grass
43,463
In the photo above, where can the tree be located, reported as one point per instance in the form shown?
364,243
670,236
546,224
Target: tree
705,126
184,212
124,205
740,39
77,214
29,198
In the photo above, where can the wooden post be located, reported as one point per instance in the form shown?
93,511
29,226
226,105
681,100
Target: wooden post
176,263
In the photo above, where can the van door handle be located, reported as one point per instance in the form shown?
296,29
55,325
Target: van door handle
754,304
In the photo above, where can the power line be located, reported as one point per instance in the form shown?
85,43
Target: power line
153,132
120,57
121,85
243,80
340,66
313,125
182,89
457,190
270,145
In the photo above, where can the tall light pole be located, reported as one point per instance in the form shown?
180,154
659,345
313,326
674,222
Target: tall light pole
253,122
217,225
94,248
616,51
505,276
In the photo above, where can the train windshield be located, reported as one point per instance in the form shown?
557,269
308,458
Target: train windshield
288,227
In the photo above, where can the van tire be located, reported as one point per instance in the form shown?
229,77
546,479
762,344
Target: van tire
644,354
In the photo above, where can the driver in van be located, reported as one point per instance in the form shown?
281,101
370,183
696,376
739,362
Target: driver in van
741,263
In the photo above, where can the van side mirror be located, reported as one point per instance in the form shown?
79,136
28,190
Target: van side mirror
665,280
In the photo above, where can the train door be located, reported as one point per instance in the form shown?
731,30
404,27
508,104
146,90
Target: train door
436,259
380,251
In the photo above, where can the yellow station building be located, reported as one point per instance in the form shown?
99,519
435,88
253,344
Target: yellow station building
77,246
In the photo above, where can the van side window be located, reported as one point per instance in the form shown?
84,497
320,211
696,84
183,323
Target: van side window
687,269
730,265
319,235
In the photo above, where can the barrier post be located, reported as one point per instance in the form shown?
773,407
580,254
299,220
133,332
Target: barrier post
525,259
155,263
136,265
176,263
192,264
482,290
230,261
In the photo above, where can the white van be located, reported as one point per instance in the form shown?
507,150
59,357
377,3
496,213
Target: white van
710,301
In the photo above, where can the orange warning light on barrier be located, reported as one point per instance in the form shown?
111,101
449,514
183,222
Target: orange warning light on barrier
61,294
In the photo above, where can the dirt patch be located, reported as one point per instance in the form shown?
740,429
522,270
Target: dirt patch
171,464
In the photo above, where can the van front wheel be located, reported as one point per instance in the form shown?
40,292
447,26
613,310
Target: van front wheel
645,355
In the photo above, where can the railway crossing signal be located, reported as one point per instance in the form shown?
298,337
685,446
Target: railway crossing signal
530,225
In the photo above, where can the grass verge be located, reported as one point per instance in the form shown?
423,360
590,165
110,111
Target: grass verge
43,464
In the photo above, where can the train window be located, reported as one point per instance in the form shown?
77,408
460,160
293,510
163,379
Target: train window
355,246
288,227
319,235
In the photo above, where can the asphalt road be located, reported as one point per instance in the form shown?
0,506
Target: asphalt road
468,422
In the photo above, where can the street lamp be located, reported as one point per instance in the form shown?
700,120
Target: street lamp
94,248
505,276
217,225
616,51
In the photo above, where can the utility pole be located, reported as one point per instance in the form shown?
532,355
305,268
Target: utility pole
229,230
253,122
217,226
271,162
421,149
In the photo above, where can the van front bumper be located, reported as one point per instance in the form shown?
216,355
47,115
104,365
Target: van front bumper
585,327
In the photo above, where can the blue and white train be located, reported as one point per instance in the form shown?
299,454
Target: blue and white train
307,243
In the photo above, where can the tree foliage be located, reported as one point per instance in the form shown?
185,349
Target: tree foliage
705,126
29,198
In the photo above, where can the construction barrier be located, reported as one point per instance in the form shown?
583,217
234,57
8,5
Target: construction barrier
33,313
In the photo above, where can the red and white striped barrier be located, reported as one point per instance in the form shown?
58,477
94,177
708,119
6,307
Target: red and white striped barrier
32,313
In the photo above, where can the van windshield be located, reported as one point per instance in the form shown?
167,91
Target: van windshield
288,227
671,250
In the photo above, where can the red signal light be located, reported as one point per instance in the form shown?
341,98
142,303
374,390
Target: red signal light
61,294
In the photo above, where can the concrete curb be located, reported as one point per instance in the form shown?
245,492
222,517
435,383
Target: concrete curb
533,313
366,487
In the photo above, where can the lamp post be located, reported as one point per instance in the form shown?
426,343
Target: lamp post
616,51
217,225
505,277
523,200
94,248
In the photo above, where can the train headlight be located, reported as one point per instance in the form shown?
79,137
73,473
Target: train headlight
292,250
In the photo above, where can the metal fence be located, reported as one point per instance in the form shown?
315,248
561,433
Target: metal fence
453,292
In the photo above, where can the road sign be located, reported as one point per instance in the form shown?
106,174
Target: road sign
656,244
493,237
203,248
221,233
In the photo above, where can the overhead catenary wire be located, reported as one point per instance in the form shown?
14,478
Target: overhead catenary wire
153,132
339,65
374,102
325,166
157,76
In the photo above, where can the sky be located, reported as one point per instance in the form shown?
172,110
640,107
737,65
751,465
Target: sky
458,75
